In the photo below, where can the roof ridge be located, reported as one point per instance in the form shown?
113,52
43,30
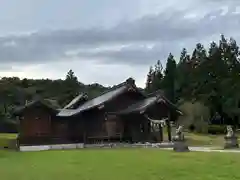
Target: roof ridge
33,102
158,92
140,105
126,82
76,99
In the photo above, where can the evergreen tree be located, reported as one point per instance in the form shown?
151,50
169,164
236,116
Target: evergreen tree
183,56
183,71
213,48
157,76
73,87
170,78
71,76
150,77
198,55
230,54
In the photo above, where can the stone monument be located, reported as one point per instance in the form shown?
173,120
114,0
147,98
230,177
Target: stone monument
231,140
179,142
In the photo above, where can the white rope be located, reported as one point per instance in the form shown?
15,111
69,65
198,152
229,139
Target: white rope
155,121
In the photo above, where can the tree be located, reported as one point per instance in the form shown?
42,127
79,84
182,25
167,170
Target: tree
154,78
184,56
157,76
71,76
230,55
170,78
183,72
72,87
150,77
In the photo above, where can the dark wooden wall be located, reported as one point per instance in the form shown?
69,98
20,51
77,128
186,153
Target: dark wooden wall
114,125
93,122
60,128
35,121
76,128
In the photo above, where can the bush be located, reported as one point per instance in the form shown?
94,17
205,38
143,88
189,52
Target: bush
216,129
196,116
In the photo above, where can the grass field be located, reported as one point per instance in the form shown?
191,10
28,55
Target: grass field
6,138
194,139
125,164
204,140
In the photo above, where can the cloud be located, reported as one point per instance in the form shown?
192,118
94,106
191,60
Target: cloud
165,32
131,54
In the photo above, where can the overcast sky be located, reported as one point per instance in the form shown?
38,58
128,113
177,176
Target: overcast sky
106,41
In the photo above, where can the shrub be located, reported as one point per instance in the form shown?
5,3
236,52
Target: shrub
216,129
196,116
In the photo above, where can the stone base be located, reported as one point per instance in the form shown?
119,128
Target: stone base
231,142
180,146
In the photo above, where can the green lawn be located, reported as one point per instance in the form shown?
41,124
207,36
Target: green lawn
8,135
204,140
124,164
6,138
195,139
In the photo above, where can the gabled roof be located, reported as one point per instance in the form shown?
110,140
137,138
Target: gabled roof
139,106
169,103
79,100
142,105
100,100
44,102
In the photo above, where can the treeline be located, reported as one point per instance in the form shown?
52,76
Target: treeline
207,75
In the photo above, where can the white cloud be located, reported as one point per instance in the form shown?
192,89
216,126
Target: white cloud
9,44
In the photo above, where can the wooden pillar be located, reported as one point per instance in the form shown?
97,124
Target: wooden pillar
148,126
169,127
160,132
84,137
148,130
19,129
84,131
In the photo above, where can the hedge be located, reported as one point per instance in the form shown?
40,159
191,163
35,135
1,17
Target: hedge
216,129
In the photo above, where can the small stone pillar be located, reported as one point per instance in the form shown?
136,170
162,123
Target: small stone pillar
179,142
231,140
